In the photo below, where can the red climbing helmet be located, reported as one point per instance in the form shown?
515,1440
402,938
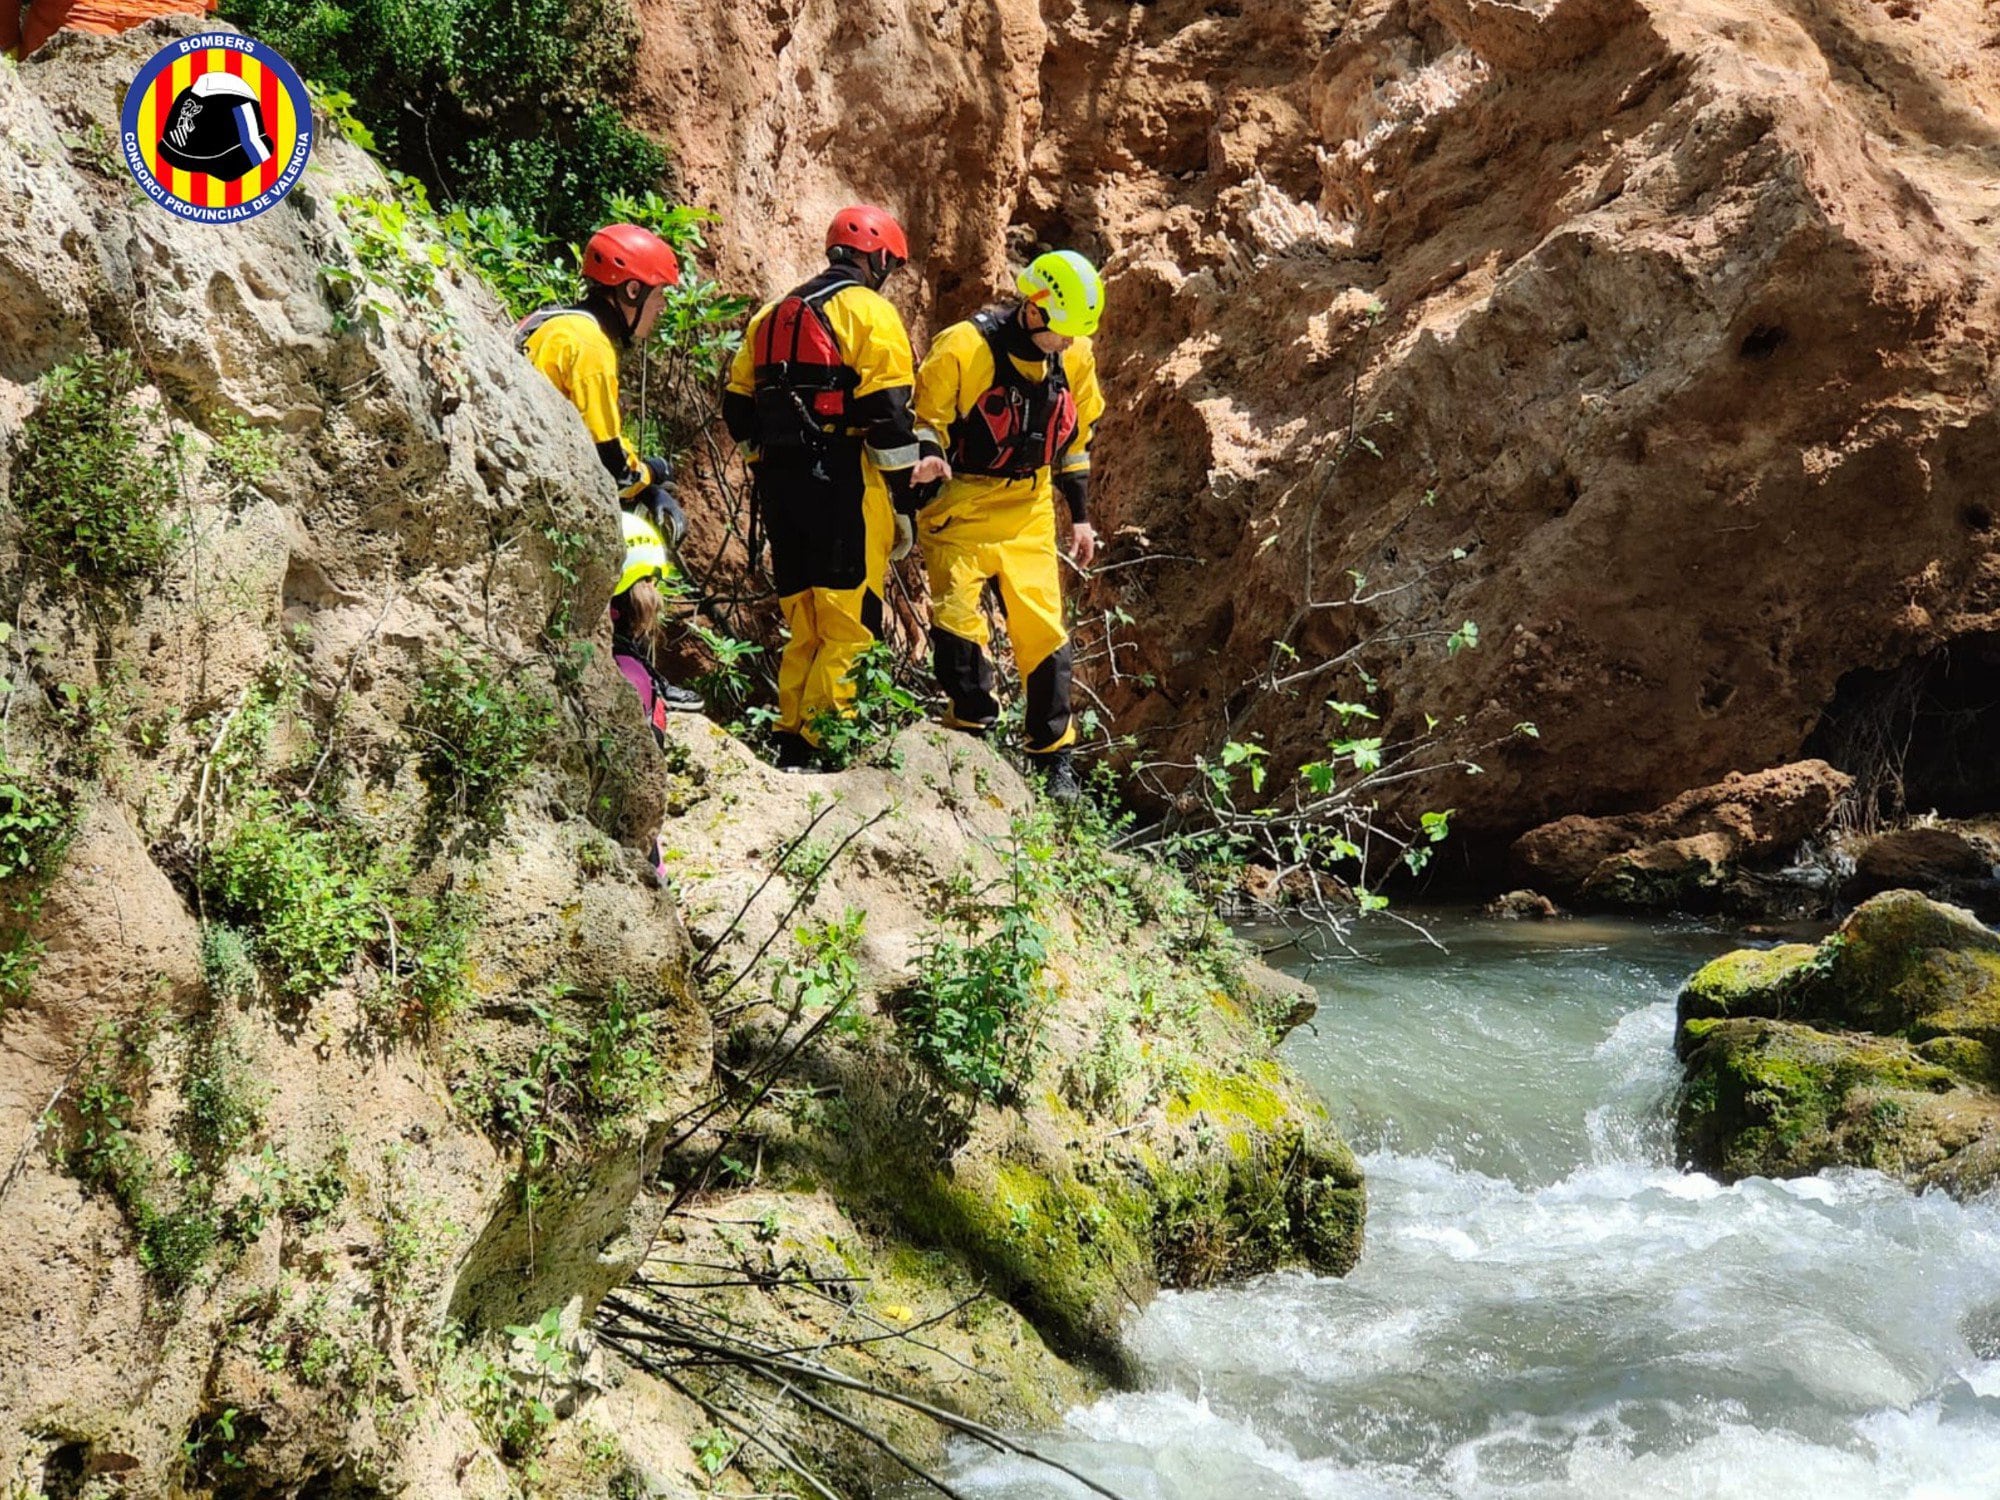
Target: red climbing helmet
619,253
866,229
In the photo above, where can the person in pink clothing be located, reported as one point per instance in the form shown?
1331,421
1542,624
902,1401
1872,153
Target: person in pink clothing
635,635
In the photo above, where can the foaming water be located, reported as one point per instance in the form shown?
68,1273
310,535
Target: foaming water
1546,1307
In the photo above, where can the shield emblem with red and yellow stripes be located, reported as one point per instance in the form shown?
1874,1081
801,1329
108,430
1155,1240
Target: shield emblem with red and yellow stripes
216,128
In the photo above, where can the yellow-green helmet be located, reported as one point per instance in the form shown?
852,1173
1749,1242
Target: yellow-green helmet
645,552
1067,289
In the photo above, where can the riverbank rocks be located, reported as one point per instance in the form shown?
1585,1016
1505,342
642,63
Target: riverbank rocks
1694,852
1959,863
1149,1139
1878,1047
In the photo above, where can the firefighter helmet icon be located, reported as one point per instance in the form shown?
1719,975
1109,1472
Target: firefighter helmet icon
216,125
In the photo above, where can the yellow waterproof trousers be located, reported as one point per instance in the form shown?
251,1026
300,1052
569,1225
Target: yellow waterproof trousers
972,535
829,628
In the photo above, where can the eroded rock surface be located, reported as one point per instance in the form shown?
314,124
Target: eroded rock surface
417,474
1691,852
1669,326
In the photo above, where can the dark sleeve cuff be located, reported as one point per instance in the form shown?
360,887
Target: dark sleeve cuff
1075,489
612,453
902,494
739,415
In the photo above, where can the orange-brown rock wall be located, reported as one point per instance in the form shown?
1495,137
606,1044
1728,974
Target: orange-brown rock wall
1669,326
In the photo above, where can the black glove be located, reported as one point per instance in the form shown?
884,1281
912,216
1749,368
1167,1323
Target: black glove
658,471
665,508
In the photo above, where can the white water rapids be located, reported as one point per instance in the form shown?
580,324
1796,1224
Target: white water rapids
1546,1307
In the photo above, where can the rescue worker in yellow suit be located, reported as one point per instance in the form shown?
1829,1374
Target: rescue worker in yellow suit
1010,398
819,402
628,269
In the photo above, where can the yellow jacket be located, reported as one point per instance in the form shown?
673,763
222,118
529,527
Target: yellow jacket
956,372
570,347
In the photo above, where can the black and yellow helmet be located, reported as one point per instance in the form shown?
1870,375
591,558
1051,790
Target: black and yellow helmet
216,126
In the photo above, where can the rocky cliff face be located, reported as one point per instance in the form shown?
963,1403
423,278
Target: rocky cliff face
1656,339
348,1042
231,1132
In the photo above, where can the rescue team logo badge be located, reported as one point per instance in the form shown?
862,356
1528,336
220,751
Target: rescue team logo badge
216,128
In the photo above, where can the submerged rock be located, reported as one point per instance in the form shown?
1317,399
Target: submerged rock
1879,1047
1523,906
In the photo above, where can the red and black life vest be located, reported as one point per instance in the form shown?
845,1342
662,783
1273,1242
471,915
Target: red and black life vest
1018,425
801,384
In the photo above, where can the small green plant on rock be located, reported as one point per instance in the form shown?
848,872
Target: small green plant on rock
310,903
825,972
476,735
173,1205
416,1238
975,1012
241,457
431,982
882,706
587,1074
226,963
91,494
37,820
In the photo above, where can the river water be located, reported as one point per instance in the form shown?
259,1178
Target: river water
1546,1307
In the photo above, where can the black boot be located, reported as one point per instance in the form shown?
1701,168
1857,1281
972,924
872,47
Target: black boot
1060,782
795,751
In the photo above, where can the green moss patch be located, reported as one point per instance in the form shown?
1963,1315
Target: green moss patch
1779,1099
1748,982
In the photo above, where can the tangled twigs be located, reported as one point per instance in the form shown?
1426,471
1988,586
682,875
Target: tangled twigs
666,1346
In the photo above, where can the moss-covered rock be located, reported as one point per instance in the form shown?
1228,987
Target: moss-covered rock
1143,1135
1748,982
1778,1099
1899,965
1876,1048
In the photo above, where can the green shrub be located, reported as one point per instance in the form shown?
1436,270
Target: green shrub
91,497
36,821
506,103
308,902
825,973
975,1012
476,736
881,707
